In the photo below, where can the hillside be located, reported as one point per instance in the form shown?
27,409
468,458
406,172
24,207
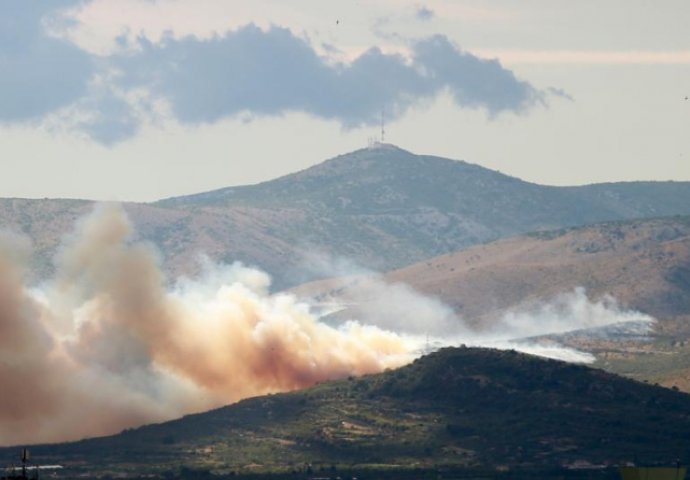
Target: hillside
382,207
471,408
643,264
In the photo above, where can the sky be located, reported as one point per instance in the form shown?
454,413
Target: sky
137,100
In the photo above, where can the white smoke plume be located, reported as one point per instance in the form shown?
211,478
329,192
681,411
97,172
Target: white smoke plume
104,345
566,312
367,296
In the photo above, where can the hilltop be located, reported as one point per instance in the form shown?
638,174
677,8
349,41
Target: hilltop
458,407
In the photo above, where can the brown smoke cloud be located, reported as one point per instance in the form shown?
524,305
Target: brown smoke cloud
105,345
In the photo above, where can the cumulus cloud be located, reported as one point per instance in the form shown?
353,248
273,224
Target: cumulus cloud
474,82
248,70
274,71
107,116
39,73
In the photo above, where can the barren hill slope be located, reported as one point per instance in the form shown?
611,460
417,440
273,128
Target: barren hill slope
645,265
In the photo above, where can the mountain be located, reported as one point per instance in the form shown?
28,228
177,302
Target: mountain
386,207
455,408
380,207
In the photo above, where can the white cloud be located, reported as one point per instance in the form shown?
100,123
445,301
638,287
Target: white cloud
261,71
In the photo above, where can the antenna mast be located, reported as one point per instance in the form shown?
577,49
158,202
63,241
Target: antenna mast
383,131
25,460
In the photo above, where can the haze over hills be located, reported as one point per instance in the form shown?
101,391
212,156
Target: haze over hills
380,207
457,407
643,264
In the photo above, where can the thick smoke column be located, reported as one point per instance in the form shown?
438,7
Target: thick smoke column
105,345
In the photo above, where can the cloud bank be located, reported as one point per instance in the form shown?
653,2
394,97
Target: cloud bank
274,71
260,71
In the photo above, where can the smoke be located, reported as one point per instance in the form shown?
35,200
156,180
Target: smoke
566,312
369,297
108,343
358,293
105,345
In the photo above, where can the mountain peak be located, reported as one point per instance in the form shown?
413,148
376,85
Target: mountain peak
384,146
377,154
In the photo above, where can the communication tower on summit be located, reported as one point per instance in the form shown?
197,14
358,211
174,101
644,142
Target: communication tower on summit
378,142
383,131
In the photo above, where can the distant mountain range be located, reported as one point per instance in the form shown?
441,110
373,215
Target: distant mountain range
456,408
380,207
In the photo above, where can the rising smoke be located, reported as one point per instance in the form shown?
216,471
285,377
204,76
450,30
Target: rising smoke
367,296
106,345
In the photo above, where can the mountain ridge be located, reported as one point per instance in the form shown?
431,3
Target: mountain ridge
383,208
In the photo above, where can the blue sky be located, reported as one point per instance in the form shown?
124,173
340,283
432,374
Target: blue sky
143,99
